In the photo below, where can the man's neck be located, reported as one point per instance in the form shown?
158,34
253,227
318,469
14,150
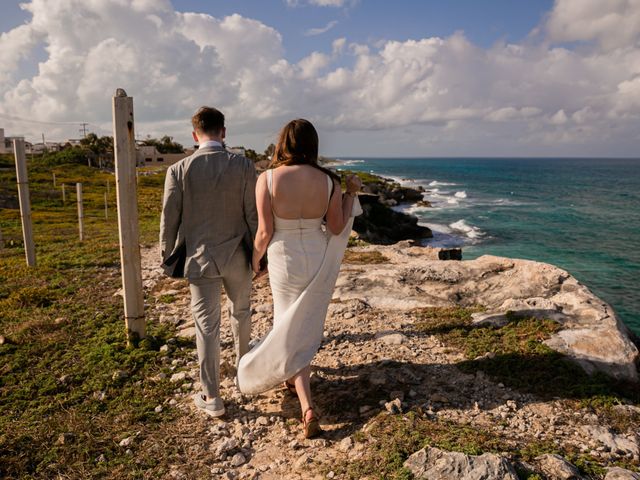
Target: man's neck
209,138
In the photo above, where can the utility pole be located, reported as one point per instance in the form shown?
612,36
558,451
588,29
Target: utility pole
83,129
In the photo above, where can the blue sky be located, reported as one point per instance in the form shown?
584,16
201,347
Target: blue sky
492,77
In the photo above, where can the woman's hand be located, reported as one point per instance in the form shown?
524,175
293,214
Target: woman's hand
354,184
259,266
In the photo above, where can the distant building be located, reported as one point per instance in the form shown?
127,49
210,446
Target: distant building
6,143
149,155
46,147
236,150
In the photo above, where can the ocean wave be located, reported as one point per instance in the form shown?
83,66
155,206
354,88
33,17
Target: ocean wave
469,230
452,201
461,194
436,183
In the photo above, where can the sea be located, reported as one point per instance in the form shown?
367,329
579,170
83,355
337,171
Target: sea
581,214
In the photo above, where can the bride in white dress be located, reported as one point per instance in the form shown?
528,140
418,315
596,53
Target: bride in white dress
304,221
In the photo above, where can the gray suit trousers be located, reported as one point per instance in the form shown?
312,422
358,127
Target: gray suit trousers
205,307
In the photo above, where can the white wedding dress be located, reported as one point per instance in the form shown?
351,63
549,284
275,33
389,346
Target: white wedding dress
304,262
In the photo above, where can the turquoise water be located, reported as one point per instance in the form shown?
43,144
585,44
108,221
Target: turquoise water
582,215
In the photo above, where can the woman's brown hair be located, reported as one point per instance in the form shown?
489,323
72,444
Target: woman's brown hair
298,145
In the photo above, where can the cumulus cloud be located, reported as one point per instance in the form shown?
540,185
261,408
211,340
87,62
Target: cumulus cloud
612,23
441,93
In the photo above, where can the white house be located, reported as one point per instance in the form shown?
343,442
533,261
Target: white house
6,143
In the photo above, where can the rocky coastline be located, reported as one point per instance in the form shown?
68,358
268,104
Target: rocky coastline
492,368
380,223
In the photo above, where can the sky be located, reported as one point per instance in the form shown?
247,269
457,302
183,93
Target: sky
377,78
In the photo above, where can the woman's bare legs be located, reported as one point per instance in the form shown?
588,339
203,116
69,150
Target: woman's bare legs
310,423
303,389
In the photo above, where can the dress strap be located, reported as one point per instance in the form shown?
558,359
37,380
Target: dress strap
270,183
329,192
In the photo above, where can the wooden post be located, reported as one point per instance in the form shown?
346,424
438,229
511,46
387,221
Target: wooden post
25,201
126,191
108,187
64,195
80,211
1,239
54,180
106,207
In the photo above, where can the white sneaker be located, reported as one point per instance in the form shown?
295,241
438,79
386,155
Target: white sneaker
213,407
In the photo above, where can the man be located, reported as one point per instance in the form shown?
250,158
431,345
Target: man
209,201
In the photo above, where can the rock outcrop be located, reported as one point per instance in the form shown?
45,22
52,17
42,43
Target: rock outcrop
381,224
591,333
435,464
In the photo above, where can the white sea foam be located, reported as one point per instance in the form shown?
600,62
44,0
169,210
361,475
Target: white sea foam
469,230
461,194
436,183
452,201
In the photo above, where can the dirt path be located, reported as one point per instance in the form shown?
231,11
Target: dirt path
369,357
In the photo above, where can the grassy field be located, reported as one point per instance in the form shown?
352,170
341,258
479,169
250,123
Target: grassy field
70,388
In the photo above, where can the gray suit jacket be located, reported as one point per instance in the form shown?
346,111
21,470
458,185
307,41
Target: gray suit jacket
209,200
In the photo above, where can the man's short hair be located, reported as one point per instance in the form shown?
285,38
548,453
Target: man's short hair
208,120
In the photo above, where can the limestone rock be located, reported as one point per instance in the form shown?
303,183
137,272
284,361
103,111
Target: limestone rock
178,377
238,459
617,473
435,464
616,443
557,468
391,338
591,334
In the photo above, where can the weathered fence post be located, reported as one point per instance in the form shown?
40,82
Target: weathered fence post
54,180
80,211
64,195
126,191
25,202
106,207
108,187
1,239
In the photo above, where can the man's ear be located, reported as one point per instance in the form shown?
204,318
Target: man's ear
223,133
195,137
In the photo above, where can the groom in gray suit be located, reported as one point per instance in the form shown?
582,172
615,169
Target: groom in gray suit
209,201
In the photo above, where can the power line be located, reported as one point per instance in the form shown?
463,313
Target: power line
40,122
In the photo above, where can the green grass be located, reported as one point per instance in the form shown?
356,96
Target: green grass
66,337
519,358
364,258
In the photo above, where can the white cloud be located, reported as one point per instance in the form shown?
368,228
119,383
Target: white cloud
318,31
321,3
611,23
446,95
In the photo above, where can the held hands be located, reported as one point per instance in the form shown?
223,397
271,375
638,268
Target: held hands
354,184
259,266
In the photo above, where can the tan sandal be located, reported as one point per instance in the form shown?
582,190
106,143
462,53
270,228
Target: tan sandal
311,427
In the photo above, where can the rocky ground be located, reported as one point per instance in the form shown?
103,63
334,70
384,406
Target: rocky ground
377,375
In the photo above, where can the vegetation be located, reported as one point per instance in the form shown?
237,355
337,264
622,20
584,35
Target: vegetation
164,145
516,356
362,258
513,354
70,387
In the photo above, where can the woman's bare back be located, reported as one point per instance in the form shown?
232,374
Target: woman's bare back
299,191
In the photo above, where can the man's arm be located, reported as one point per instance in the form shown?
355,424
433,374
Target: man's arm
249,205
171,212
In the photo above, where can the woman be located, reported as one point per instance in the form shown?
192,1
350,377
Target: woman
294,199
